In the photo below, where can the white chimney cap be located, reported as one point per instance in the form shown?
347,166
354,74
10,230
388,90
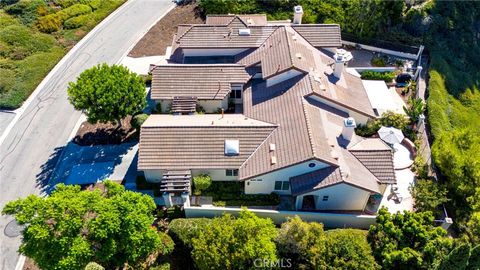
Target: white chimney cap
343,56
298,9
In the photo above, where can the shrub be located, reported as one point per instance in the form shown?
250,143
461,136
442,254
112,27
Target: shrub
77,22
369,129
378,61
138,120
428,195
396,120
220,203
380,76
49,23
94,266
73,11
25,10
183,230
201,182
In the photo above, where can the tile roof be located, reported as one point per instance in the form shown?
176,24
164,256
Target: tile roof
202,81
320,35
282,104
280,52
187,142
247,19
315,180
377,157
222,36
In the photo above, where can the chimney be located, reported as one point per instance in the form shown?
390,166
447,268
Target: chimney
297,14
348,128
223,112
341,57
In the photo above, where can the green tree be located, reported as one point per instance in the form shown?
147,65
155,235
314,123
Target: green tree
201,182
428,195
107,93
456,259
71,228
407,240
344,249
474,260
297,239
235,243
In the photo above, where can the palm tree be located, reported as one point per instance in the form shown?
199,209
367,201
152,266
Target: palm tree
415,108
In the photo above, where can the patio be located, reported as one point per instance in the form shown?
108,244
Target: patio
405,178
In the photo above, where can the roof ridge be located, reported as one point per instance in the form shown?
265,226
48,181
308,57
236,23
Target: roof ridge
309,128
289,47
190,28
236,17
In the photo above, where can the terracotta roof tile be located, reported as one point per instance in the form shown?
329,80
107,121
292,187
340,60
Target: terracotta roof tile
202,81
320,35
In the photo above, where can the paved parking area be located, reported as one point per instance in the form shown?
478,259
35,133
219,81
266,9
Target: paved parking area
95,163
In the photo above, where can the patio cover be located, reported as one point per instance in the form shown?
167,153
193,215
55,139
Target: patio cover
382,98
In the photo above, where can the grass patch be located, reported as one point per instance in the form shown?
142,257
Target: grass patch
232,194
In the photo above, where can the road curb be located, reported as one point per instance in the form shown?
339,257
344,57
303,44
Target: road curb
19,112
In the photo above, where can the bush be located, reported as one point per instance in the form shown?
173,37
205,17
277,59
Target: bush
25,10
380,76
378,61
428,195
49,23
77,22
201,182
369,129
138,120
73,11
396,120
220,203
183,230
94,266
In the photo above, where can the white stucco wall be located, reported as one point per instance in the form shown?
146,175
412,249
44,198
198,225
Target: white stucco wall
329,220
282,77
212,52
340,197
265,184
153,176
217,175
359,118
210,106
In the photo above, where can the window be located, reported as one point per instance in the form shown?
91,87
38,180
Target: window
278,185
325,198
286,185
236,94
311,165
282,185
232,172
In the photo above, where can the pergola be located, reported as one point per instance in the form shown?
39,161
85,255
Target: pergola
176,181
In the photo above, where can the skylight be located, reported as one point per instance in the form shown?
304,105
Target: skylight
232,147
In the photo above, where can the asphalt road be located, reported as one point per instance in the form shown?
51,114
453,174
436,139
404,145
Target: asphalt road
29,151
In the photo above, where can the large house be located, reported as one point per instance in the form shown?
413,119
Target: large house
292,130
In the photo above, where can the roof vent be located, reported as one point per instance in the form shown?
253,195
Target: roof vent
298,55
232,147
244,32
273,160
272,147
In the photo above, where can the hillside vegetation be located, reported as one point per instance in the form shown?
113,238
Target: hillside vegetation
35,34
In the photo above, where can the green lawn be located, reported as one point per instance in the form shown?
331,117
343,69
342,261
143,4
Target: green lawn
35,35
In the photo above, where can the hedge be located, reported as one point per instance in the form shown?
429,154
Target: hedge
77,22
380,76
72,11
183,230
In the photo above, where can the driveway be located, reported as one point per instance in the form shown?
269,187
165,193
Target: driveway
36,140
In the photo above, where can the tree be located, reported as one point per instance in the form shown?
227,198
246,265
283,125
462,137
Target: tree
71,228
310,247
474,260
107,93
407,240
457,259
296,238
235,243
428,195
201,182
415,109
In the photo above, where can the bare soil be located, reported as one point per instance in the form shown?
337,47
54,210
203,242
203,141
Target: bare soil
30,265
105,133
160,36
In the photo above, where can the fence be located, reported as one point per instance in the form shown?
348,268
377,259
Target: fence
380,43
330,220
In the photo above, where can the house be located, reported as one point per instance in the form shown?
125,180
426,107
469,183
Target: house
294,132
